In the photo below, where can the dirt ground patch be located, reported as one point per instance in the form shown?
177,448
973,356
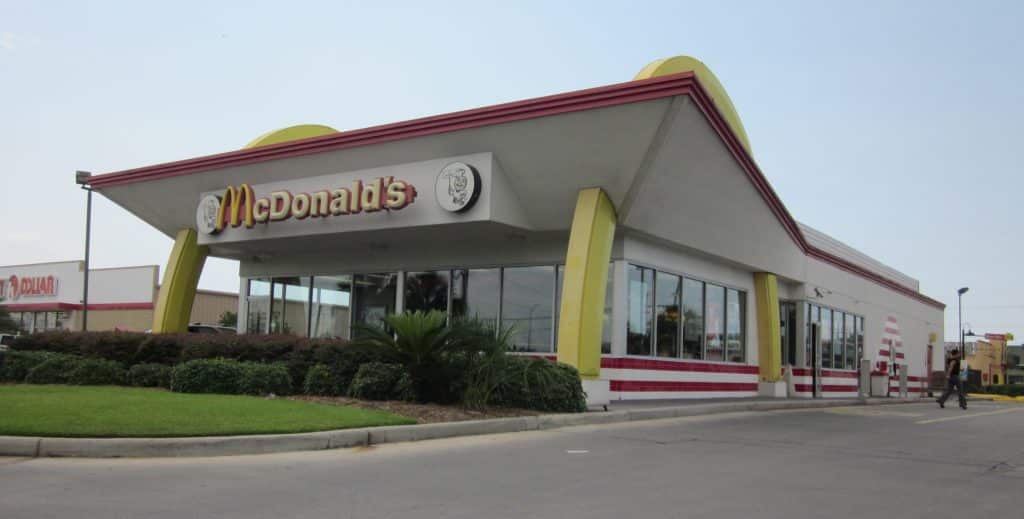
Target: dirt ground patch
422,413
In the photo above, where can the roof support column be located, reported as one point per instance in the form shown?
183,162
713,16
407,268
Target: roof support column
769,341
178,290
583,290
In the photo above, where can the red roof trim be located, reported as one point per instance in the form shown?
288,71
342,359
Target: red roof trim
684,83
613,95
43,307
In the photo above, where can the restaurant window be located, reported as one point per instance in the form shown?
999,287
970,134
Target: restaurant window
290,306
735,320
860,339
826,338
476,293
427,291
838,340
332,307
374,297
693,319
667,294
258,306
851,343
714,322
810,317
641,303
527,304
609,298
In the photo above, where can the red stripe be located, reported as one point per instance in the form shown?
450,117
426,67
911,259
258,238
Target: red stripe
891,319
893,331
623,93
899,355
42,307
657,385
676,365
829,388
806,372
838,374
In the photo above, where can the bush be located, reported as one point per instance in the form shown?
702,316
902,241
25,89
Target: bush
150,375
540,384
434,353
55,370
264,379
15,365
53,341
115,346
379,381
131,348
96,372
344,360
160,348
207,376
322,381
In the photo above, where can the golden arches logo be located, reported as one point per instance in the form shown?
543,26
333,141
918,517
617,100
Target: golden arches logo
235,207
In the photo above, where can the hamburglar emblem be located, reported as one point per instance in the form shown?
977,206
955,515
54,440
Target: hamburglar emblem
457,187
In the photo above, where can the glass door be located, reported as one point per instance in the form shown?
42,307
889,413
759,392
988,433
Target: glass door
787,329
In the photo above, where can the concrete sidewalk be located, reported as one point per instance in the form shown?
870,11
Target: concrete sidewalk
21,446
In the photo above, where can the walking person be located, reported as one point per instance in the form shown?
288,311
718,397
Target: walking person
953,381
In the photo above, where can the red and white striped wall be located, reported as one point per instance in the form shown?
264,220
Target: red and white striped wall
915,385
648,379
835,383
889,350
632,378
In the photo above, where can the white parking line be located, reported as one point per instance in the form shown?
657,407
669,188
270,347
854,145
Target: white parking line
963,416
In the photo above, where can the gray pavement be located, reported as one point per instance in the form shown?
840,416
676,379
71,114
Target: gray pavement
859,461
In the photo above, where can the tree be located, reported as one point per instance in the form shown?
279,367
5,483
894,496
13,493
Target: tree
229,319
7,324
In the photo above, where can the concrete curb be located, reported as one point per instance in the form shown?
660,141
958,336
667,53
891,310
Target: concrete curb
29,447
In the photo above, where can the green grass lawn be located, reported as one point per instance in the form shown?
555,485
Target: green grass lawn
107,411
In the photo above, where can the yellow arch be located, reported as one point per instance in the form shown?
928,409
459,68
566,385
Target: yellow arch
291,133
714,88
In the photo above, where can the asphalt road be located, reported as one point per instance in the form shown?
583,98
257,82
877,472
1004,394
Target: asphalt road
893,461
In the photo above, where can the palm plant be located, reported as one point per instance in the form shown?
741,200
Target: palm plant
436,354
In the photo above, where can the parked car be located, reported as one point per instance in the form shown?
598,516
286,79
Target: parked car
206,328
209,328
6,340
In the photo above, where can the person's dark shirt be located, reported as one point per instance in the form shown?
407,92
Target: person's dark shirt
953,366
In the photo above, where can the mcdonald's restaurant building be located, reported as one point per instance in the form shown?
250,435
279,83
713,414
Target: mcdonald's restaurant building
625,229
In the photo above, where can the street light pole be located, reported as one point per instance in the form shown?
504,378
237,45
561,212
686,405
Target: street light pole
82,179
960,310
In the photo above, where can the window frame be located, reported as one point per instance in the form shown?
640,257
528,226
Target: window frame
744,294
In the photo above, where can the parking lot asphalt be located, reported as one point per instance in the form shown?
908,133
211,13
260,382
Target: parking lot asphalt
912,460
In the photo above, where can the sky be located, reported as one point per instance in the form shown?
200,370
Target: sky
895,127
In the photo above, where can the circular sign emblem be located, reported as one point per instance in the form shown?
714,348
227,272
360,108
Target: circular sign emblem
206,214
457,187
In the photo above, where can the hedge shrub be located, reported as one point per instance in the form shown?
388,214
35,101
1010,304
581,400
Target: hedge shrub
379,381
322,381
540,384
344,360
96,372
207,376
150,375
55,370
264,379
15,365
160,348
